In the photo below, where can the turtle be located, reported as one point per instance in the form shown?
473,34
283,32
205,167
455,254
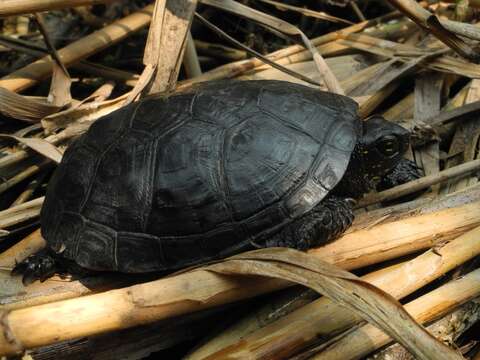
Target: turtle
182,178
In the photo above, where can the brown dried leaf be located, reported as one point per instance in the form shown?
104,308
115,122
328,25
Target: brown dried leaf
371,303
431,23
60,85
83,115
307,12
39,145
272,22
165,46
102,93
23,107
20,213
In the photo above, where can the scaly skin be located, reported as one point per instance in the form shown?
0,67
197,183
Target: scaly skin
324,223
39,266
405,171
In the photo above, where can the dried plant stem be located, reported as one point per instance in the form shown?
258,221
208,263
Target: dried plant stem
20,155
256,319
24,174
322,317
29,75
240,67
434,304
198,290
353,250
357,11
308,12
31,244
18,7
31,188
447,329
431,23
397,238
220,51
136,343
190,60
419,184
19,213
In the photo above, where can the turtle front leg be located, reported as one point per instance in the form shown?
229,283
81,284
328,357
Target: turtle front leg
405,171
39,266
327,221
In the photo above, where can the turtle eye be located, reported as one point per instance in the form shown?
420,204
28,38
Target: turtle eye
388,145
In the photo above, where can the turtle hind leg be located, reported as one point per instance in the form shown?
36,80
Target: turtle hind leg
324,223
39,266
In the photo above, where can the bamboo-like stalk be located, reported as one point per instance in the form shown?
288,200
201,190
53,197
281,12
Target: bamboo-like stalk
135,343
29,75
24,174
396,242
30,189
31,244
190,58
239,67
20,213
390,240
322,317
426,308
202,289
431,23
367,245
219,51
447,329
20,155
18,7
337,47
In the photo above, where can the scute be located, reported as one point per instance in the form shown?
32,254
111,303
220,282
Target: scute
186,177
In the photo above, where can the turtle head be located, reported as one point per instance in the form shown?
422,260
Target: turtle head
382,146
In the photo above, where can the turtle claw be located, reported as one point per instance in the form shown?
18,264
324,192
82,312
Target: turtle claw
38,266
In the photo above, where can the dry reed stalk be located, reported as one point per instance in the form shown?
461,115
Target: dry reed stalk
427,103
239,67
328,78
219,51
365,246
20,213
117,309
447,329
341,45
29,75
428,307
347,290
308,12
31,244
136,343
322,317
53,290
166,43
26,194
201,289
431,23
22,175
20,155
18,7
190,59
404,52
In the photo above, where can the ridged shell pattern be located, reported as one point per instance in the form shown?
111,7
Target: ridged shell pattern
178,179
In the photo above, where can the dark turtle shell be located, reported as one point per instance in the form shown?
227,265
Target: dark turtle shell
176,180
